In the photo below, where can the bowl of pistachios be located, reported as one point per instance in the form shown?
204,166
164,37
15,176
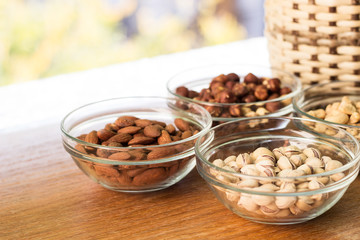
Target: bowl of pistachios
272,170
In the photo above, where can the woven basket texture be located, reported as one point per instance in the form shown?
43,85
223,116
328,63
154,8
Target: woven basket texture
317,40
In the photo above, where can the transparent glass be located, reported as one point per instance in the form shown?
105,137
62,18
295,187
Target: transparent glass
244,136
133,175
200,78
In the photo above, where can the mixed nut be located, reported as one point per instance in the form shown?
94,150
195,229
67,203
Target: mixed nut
344,112
230,89
130,131
289,161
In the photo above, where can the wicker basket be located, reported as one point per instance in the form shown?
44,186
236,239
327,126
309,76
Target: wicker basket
317,40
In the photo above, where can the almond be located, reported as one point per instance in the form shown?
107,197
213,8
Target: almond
181,124
121,138
138,155
150,176
92,137
162,152
129,130
142,122
105,134
141,140
105,170
102,153
152,131
164,138
124,178
120,156
80,148
82,137
134,172
112,127
162,124
170,128
125,121
186,134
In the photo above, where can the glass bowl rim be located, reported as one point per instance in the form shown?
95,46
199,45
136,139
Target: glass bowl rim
136,162
298,108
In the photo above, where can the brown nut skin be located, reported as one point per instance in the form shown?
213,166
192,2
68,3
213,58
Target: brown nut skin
182,91
221,78
285,90
213,110
153,131
216,87
239,89
125,121
235,110
249,98
226,97
233,77
193,94
251,78
251,87
181,124
150,176
105,134
261,93
273,84
273,96
273,106
230,84
205,95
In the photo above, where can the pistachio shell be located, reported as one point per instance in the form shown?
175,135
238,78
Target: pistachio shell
247,203
314,162
312,152
243,159
332,164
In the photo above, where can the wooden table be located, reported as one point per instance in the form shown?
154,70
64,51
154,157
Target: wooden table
43,195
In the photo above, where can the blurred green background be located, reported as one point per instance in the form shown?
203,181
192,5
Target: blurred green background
42,38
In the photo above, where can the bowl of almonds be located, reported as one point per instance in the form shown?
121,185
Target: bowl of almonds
232,91
134,144
336,103
276,172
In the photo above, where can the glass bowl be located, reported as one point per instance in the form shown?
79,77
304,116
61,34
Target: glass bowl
140,166
313,101
262,188
198,79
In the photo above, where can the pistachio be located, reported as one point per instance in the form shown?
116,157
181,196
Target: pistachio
243,159
262,200
278,152
337,176
230,159
291,150
283,213
219,163
283,202
250,169
250,183
314,162
270,209
332,164
312,152
262,151
285,163
306,169
247,203
303,205
265,157
266,168
232,196
295,210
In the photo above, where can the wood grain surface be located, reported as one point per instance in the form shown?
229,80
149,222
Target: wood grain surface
43,195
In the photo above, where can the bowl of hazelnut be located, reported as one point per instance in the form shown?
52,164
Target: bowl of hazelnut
230,91
276,172
134,144
336,103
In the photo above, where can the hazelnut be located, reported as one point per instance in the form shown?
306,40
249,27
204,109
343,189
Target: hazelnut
216,87
249,98
272,106
251,87
251,78
205,94
225,114
193,94
213,110
182,91
261,93
235,110
273,96
221,78
285,90
233,77
230,84
273,84
226,97
239,89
